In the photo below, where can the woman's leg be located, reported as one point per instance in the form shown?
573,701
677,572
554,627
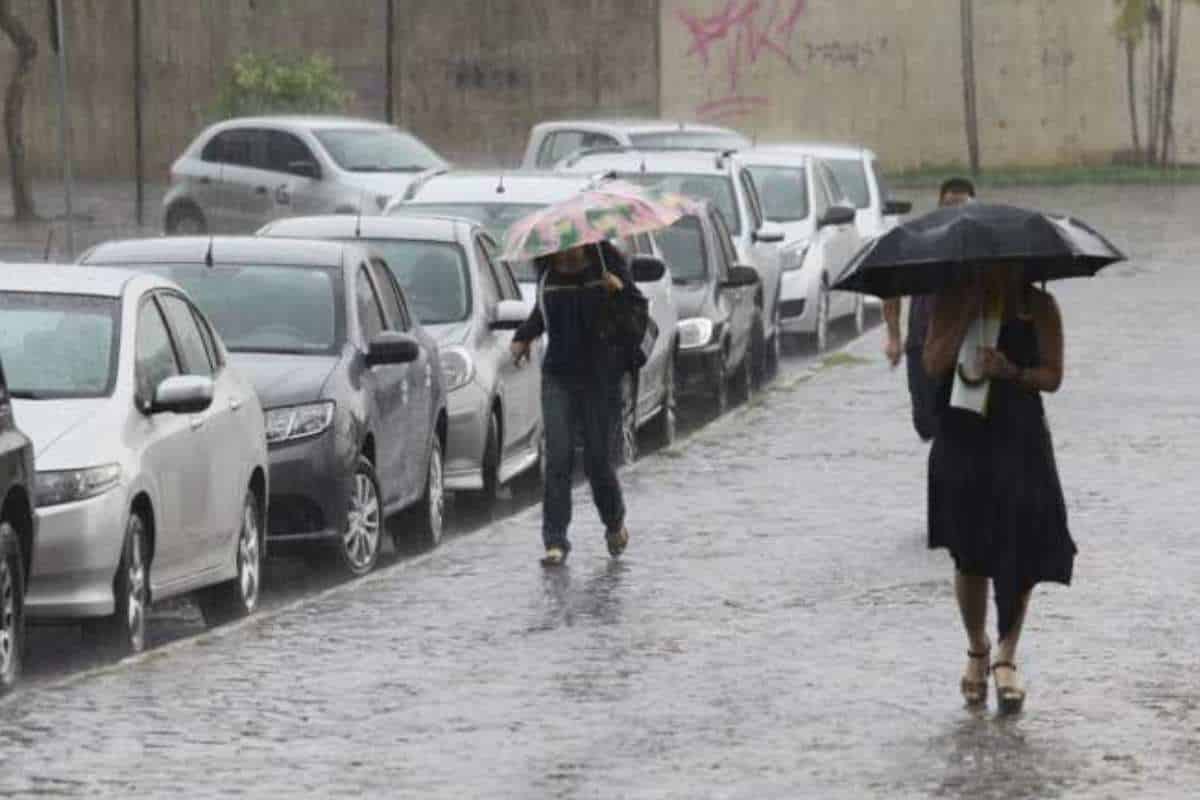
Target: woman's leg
558,418
598,417
1006,652
972,594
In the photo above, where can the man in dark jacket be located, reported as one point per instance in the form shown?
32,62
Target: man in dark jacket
921,388
580,372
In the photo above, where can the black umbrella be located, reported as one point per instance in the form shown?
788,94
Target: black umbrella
948,246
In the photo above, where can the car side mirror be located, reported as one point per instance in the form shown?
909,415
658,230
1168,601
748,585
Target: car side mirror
304,169
183,394
893,208
647,269
740,276
509,315
837,215
391,347
769,233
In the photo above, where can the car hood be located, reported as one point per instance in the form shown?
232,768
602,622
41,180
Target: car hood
691,298
377,183
49,424
284,380
450,333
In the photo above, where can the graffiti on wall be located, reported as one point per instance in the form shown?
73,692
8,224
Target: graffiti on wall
739,35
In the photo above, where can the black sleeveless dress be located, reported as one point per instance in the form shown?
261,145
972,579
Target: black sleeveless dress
995,501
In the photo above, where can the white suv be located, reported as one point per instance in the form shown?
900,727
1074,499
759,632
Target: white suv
240,174
551,142
723,179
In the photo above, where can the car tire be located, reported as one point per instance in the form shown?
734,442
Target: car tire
12,607
186,220
359,544
489,464
821,331
744,379
428,517
775,343
720,384
664,427
124,632
759,357
860,314
625,448
238,598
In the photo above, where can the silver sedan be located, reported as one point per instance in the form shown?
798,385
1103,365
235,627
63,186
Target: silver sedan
150,450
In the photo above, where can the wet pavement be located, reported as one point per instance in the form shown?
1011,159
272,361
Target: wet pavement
777,628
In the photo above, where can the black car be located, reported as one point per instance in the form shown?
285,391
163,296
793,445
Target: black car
720,307
348,379
18,526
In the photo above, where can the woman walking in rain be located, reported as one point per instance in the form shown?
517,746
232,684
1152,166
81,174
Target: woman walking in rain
580,376
995,501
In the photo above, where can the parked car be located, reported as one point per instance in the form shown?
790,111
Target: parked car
239,174
471,305
18,531
496,199
801,195
723,179
355,405
152,464
551,142
718,310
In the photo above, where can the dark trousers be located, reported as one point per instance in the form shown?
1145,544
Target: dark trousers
583,402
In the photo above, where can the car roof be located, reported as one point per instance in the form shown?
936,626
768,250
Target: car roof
480,186
225,250
818,149
74,279
346,226
635,125
305,121
769,156
631,160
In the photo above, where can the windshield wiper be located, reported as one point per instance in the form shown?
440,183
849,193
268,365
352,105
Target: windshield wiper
376,168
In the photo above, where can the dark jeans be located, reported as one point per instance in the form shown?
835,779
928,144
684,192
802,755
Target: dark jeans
584,402
924,393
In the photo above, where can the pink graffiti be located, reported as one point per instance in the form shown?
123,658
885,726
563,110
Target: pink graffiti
749,31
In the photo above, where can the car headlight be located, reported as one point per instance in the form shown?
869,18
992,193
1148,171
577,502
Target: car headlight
694,332
56,487
457,368
794,259
298,422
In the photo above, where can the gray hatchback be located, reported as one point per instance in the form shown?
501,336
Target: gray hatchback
349,381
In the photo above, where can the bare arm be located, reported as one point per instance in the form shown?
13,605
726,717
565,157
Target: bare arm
1047,376
953,311
891,316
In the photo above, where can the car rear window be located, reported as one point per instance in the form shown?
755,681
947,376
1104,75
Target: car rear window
56,346
717,189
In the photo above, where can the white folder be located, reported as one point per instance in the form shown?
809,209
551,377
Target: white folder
984,331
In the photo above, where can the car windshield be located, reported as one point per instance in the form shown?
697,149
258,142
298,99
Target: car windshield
717,189
683,248
433,275
700,139
57,346
783,191
377,150
496,219
852,177
265,308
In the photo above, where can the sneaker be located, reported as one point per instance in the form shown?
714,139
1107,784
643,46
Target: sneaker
555,557
617,540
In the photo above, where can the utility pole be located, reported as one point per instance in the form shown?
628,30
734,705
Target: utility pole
60,42
139,156
970,111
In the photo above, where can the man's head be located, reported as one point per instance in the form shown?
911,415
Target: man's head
955,192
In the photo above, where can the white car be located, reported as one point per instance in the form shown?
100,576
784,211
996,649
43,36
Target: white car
240,174
723,179
497,199
150,448
551,142
800,194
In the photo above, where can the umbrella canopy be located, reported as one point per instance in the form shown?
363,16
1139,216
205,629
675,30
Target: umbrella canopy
613,210
948,246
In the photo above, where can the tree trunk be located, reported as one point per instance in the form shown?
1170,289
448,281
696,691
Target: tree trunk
14,111
1131,82
1160,82
970,112
1168,111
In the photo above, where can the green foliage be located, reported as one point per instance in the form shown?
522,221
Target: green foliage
268,84
1132,16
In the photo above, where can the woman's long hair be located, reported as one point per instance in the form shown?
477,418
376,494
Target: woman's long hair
613,258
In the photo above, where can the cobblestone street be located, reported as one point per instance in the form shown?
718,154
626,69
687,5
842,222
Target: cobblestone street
777,628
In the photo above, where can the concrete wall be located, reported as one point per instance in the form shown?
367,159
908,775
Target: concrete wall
470,76
1050,76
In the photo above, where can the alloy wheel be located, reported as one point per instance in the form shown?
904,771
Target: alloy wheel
822,321
360,542
249,555
629,441
668,427
860,315
135,586
9,620
437,494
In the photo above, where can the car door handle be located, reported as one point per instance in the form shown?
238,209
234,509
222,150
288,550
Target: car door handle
283,196
260,190
235,403
197,423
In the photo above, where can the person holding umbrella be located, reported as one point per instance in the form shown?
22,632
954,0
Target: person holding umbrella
583,283
994,495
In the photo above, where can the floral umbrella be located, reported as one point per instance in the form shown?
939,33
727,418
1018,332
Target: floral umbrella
613,210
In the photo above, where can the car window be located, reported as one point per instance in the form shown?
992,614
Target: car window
684,249
558,146
885,190
723,240
716,189
502,274
285,148
837,194
154,357
210,339
851,175
59,345
432,274
751,191
377,149
491,285
783,192
387,294
239,147
370,315
824,201
598,140
187,337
